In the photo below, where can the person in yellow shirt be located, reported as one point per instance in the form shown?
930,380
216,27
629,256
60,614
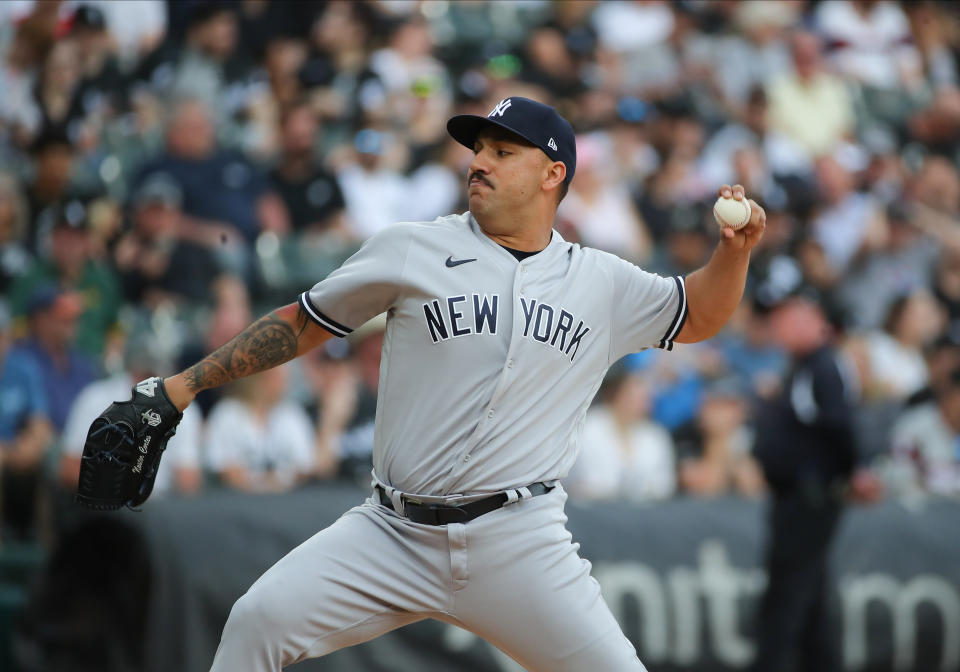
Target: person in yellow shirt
810,105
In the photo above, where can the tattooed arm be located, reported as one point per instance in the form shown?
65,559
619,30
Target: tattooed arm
272,340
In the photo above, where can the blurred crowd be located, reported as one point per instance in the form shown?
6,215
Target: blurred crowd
170,170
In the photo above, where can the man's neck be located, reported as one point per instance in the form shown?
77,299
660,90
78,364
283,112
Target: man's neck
296,166
531,237
54,347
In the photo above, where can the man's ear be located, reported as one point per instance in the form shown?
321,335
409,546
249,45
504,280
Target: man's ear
556,173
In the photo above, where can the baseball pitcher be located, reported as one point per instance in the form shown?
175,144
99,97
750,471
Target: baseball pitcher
498,335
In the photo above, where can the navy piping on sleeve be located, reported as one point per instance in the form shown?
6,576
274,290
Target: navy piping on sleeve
667,341
332,326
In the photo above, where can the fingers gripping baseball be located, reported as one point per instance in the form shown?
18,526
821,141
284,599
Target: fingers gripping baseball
749,235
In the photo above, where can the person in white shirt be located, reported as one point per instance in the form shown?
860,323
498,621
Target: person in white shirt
256,440
599,206
894,354
925,445
625,454
180,469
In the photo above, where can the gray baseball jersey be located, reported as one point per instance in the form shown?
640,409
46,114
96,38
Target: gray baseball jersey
488,367
489,364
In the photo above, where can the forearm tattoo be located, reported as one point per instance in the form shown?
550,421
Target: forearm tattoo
268,342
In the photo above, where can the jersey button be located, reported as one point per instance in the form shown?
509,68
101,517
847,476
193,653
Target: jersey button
490,413
466,458
523,269
510,364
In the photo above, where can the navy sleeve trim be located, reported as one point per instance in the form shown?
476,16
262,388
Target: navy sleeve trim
311,310
679,319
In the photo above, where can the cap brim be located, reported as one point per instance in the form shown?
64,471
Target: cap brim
464,129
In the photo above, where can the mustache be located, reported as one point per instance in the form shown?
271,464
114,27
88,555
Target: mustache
478,176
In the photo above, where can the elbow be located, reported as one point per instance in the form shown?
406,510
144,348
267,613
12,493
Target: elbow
695,331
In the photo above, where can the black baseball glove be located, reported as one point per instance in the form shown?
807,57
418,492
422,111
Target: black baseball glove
123,448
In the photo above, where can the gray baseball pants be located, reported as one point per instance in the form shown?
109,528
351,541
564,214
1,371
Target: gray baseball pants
512,577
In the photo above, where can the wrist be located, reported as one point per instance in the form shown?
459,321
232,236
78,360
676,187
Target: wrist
180,395
734,249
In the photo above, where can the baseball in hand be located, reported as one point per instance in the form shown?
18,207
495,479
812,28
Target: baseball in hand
731,213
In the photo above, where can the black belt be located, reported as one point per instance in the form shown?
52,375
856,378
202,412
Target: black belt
442,514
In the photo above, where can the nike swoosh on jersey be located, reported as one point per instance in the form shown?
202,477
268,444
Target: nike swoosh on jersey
451,262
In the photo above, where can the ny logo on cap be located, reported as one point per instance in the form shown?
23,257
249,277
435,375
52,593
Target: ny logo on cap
552,144
500,108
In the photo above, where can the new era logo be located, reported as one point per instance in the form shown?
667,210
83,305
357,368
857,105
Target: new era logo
500,108
552,144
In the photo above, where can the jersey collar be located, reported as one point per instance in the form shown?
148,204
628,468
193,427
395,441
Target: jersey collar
556,245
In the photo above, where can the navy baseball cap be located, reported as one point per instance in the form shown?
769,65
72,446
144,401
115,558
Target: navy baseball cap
538,124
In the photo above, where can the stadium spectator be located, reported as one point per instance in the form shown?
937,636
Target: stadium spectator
180,469
943,358
685,244
284,58
374,190
230,311
749,352
342,86
713,450
101,90
52,317
207,66
598,208
946,287
931,29
58,88
756,51
407,64
675,187
849,224
70,265
895,353
49,189
256,441
136,28
346,391
924,445
870,43
223,193
549,63
936,185
155,261
436,186
634,38
902,263
810,106
624,455
19,116
752,131
310,193
25,436
331,378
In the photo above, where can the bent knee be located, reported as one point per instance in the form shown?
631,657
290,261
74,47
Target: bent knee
256,614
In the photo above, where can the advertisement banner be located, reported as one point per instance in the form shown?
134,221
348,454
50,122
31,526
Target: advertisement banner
683,578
